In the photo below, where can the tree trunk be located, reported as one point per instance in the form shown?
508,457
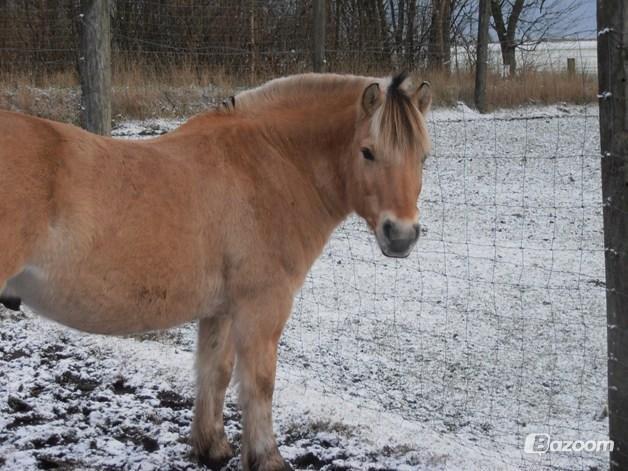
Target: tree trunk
439,49
481,68
506,33
383,27
318,43
410,29
509,58
399,28
447,32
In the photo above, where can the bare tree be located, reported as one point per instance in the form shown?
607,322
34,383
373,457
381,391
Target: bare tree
463,29
406,23
453,22
439,45
525,23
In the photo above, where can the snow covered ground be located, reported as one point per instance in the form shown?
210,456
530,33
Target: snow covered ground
493,328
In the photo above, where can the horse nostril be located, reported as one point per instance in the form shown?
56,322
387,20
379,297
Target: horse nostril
417,232
387,229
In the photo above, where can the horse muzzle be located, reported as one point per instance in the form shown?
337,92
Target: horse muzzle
397,238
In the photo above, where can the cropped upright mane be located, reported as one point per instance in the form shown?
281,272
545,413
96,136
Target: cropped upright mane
288,90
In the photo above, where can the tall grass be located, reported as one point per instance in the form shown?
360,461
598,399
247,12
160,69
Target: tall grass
144,90
530,87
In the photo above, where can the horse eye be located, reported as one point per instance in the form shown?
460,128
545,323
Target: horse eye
367,154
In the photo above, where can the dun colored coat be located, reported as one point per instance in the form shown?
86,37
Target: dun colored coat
218,221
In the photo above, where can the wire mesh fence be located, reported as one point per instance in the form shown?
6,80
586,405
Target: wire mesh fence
495,327
38,38
248,38
256,38
548,56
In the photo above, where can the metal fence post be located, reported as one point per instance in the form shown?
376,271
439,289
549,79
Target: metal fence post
95,66
612,19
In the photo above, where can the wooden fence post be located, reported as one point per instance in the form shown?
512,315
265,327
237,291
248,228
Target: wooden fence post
482,57
318,45
612,21
95,66
571,67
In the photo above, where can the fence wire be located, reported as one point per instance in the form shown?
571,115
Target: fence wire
251,38
495,327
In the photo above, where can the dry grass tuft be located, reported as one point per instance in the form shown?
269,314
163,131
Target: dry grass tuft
531,87
151,90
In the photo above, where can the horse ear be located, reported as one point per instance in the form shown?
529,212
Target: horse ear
422,97
371,99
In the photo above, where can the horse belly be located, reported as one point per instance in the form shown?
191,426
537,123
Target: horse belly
92,307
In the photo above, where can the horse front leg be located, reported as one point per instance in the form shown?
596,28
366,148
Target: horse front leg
214,365
258,324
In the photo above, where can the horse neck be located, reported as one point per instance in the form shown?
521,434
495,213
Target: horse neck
319,146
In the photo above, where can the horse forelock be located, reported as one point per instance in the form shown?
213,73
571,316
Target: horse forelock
398,124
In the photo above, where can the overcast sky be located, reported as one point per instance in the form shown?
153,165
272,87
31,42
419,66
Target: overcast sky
581,24
587,16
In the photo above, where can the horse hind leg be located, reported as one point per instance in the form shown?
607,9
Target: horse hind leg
9,299
25,209
12,303
9,268
16,247
11,264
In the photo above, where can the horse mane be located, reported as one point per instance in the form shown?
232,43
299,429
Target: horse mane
294,89
397,123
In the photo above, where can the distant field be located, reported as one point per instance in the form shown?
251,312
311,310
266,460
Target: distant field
547,56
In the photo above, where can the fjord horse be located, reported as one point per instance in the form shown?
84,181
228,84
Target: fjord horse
218,221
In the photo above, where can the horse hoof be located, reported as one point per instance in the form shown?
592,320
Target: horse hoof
283,465
215,463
